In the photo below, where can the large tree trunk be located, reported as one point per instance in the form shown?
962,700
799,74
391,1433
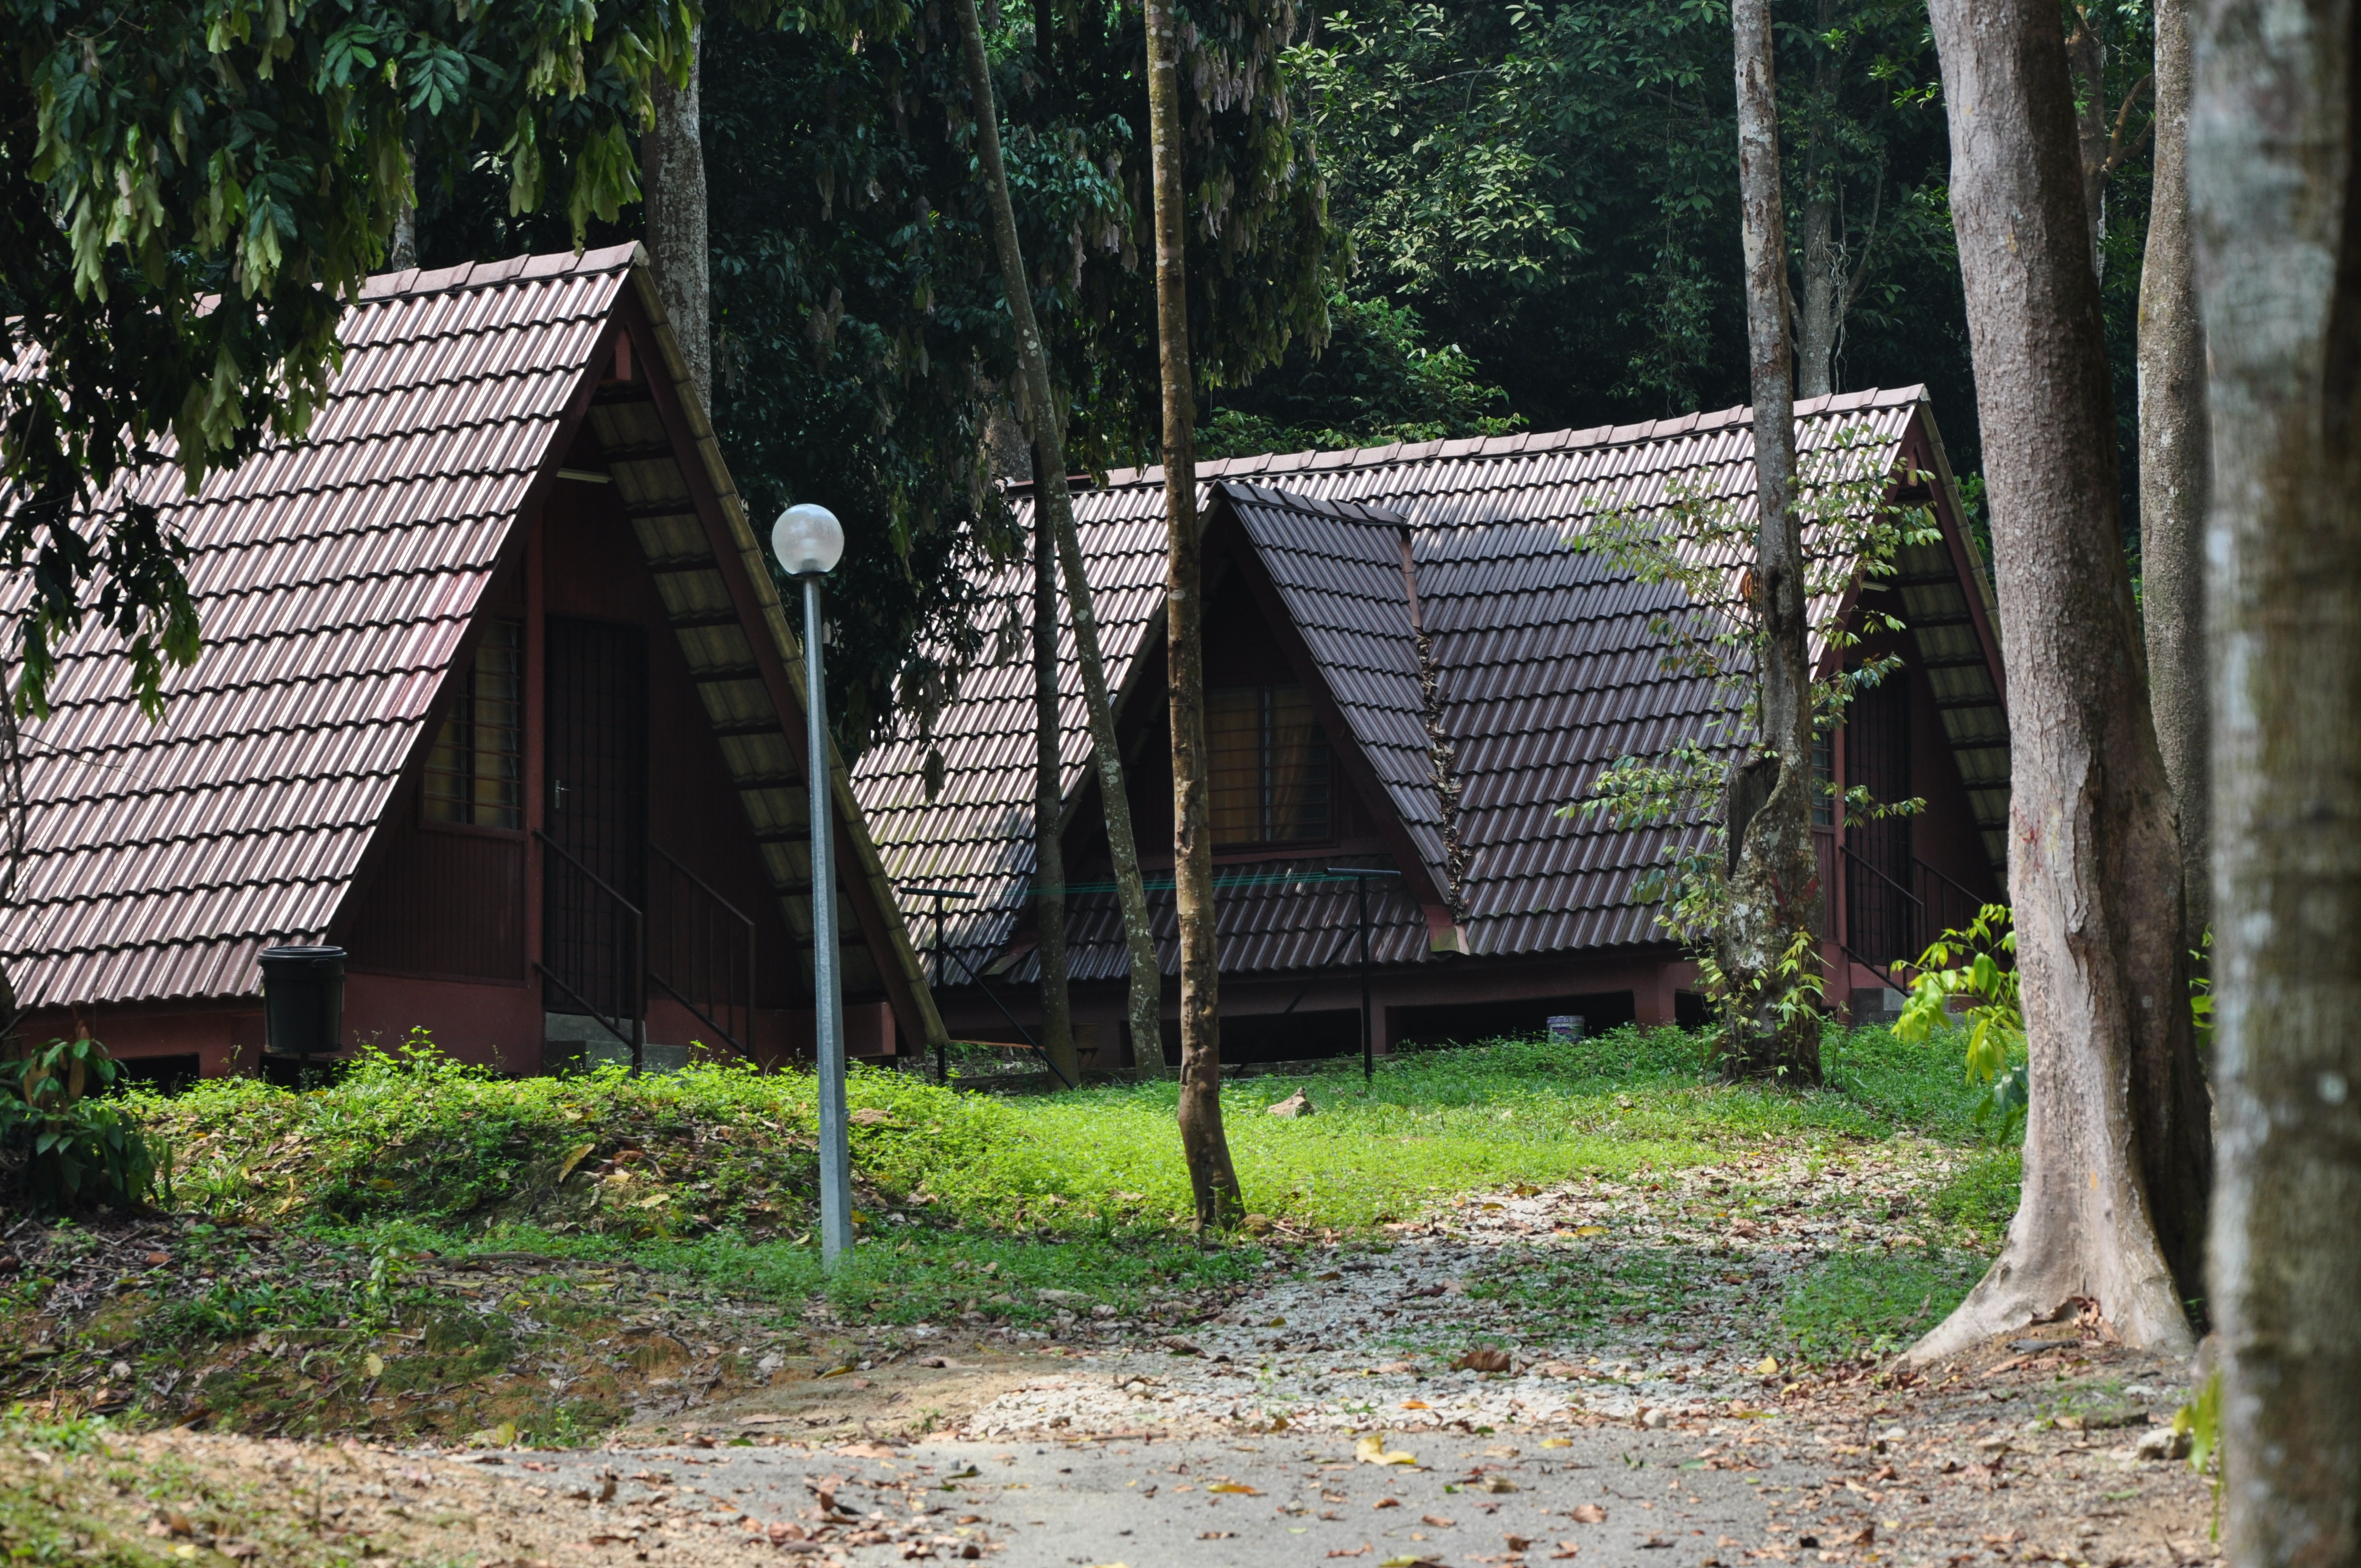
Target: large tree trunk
1054,501
2275,186
2117,1148
1049,802
1203,1142
672,159
1773,874
2173,471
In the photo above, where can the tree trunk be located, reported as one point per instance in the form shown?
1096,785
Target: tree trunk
2086,50
1054,501
1774,875
2275,189
1049,802
402,251
672,159
1822,313
2117,1148
2173,469
1203,1142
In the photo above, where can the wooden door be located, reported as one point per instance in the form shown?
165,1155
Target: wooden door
596,722
1877,871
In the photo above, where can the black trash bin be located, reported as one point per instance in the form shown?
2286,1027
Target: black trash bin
302,1013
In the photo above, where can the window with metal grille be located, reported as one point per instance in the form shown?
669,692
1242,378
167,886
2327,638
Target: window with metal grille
1824,772
1269,765
475,775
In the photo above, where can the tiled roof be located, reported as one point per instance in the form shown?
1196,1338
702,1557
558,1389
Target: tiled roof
1547,662
334,577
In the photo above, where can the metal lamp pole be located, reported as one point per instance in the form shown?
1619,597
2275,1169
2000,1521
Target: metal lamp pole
808,541
1361,876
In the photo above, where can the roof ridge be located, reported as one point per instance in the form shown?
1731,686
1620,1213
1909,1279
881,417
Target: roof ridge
1273,463
418,280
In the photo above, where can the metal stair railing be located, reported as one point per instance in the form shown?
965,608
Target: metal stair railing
631,1006
705,978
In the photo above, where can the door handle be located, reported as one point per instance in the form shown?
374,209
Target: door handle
557,795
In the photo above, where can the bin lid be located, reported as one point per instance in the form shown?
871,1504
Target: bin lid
301,955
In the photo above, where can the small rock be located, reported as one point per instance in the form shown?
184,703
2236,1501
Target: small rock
2162,1443
1296,1104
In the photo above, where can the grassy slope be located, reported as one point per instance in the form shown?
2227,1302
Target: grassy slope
417,1139
332,1218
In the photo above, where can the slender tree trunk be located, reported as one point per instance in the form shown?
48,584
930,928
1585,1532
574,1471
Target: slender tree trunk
1050,801
2117,1146
2275,189
1202,1141
2086,50
401,248
1054,501
402,251
2173,468
672,159
1774,877
1822,312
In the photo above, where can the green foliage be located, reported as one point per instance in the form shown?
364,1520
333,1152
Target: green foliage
2200,1421
1977,966
1552,184
1982,1196
1858,1304
1376,382
69,1149
189,193
607,1159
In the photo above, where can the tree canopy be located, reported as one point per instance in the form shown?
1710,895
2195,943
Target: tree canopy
189,190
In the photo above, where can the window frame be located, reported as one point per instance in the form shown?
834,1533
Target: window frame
465,694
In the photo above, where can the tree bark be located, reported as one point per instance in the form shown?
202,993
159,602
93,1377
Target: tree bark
2117,1146
2173,471
2275,190
1821,316
1211,1179
1054,500
1775,878
1049,804
2086,50
672,159
402,251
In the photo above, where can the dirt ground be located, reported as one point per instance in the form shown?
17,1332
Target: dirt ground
1597,1345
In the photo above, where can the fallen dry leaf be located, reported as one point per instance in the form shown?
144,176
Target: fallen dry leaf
1482,1358
1588,1513
868,1450
1238,1487
1387,1503
870,1116
1438,1522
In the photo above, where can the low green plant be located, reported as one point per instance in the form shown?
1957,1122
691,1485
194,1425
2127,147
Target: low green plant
1974,965
2200,1421
67,1147
1873,1303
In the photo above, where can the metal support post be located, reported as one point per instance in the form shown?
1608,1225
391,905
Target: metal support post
828,992
1360,877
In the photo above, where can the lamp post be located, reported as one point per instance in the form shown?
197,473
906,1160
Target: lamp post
1361,876
808,541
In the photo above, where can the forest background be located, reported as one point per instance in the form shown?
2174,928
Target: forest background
1519,214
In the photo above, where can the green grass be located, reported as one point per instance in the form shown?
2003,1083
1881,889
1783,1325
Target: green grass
1982,1196
412,1136
688,1197
1873,1303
